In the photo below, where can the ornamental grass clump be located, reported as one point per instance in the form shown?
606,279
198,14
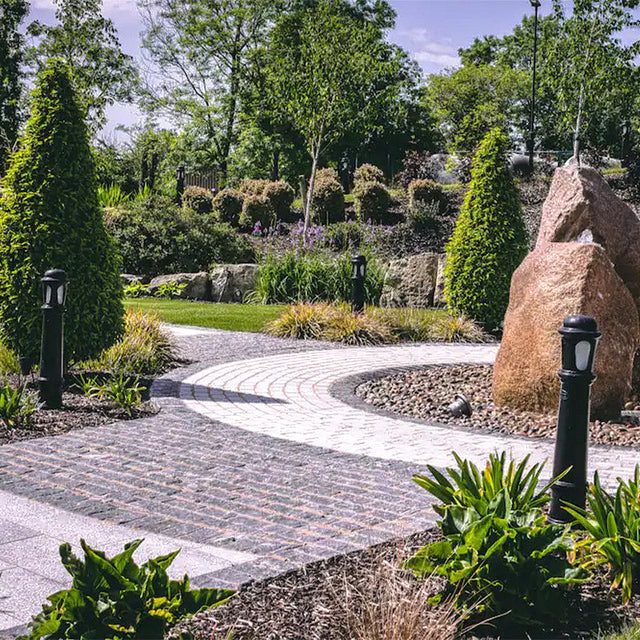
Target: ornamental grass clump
144,349
489,240
50,217
455,328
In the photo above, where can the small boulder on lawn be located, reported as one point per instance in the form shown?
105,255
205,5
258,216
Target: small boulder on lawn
232,282
555,281
196,285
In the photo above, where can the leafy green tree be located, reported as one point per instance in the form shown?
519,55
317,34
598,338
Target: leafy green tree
330,73
204,52
88,43
50,218
470,101
489,240
591,62
12,12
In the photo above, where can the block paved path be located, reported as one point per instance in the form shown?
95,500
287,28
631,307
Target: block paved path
259,461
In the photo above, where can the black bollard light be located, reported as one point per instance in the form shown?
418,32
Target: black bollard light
358,274
180,179
54,286
579,340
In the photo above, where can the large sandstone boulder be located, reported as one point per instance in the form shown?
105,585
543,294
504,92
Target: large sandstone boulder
581,207
196,285
232,282
411,282
555,281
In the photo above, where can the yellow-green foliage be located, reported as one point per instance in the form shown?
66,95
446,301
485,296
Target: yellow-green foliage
256,209
51,218
8,361
144,349
327,202
489,240
333,322
336,323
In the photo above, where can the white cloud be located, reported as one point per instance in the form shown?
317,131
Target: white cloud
432,53
437,53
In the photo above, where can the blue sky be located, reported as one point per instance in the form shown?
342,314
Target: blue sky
431,30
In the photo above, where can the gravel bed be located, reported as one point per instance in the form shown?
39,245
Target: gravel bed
343,598
426,394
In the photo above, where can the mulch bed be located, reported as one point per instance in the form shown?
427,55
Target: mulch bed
331,599
78,412
426,394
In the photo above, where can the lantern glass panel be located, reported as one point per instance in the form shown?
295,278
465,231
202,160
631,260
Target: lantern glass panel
583,351
61,294
47,293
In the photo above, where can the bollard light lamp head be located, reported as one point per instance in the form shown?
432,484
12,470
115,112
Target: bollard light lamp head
180,171
358,267
54,288
579,340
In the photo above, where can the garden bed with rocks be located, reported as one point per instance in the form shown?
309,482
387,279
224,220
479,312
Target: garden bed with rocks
366,594
78,412
426,394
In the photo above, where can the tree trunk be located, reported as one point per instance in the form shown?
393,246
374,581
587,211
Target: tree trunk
275,166
312,180
576,133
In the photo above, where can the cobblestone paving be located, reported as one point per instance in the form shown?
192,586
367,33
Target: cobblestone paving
276,466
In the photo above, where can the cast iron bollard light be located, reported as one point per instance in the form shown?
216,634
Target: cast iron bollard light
180,177
54,285
358,274
579,340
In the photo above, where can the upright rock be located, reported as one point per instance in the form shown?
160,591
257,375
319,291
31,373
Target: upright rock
586,261
560,280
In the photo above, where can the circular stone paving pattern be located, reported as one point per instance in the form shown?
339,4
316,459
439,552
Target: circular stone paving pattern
289,396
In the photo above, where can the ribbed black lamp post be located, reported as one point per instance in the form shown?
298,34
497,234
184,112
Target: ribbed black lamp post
54,289
180,178
358,275
579,340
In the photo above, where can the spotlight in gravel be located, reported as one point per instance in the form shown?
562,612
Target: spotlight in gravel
54,285
460,407
579,340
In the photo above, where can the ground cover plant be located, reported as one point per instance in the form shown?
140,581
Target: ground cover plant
114,598
337,323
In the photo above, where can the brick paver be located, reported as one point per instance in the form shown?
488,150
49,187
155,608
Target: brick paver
256,450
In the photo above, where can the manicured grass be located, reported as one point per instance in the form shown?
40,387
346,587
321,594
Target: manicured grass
233,317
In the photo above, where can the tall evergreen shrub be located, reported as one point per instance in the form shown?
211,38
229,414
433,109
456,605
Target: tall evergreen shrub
50,218
489,240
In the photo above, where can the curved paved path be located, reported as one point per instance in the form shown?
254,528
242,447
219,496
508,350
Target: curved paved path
270,471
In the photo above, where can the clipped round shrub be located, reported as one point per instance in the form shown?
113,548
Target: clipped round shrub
327,173
327,202
253,187
281,196
198,199
425,201
489,240
371,200
51,218
227,206
256,210
368,173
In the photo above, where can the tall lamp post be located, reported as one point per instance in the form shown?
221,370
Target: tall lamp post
536,5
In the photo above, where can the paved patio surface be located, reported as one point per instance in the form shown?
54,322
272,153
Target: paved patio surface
260,460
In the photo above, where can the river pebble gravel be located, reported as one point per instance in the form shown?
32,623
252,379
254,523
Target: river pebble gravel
426,394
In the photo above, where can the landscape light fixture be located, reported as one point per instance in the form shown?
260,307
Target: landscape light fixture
580,337
460,407
180,180
54,293
358,275
536,5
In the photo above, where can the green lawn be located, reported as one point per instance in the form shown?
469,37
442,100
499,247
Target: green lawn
234,317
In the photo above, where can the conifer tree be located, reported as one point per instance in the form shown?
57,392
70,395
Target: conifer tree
489,240
50,218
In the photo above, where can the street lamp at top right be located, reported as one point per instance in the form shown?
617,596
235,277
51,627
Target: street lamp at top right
536,5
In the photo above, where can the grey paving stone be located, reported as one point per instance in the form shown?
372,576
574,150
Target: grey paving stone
11,531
